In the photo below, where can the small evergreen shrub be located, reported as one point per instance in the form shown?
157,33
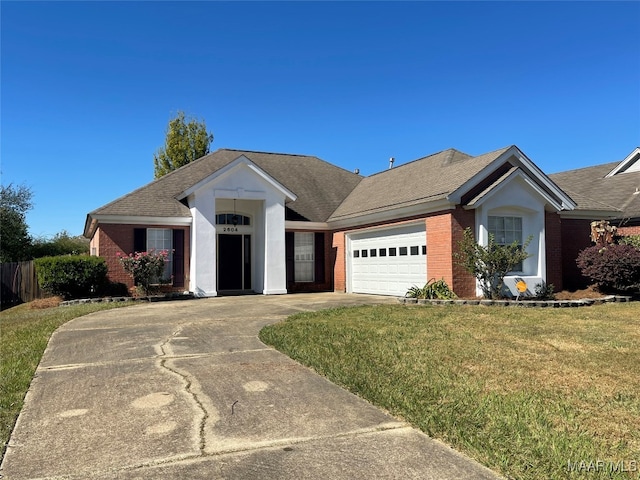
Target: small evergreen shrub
432,290
614,268
74,276
544,291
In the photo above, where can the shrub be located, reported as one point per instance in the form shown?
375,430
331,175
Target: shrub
490,264
146,268
433,290
544,291
74,276
614,268
633,240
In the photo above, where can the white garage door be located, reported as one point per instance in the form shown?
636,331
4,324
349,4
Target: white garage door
388,262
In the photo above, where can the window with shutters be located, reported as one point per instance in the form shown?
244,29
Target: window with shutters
304,258
162,239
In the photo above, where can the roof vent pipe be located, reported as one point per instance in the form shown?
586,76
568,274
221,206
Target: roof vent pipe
357,171
391,160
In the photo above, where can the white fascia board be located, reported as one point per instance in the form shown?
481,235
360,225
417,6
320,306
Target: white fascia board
527,165
142,220
393,215
312,226
627,163
239,162
518,173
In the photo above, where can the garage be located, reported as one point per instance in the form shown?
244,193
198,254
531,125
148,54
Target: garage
388,261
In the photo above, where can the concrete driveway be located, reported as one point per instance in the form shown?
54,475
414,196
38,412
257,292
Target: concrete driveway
186,390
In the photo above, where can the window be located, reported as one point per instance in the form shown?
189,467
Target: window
403,251
161,239
424,249
373,252
392,251
382,252
505,231
365,253
356,253
304,264
414,250
232,219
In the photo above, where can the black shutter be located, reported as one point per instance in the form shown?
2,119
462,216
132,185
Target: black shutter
319,257
139,239
289,255
178,258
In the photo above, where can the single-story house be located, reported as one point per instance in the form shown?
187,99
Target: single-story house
270,223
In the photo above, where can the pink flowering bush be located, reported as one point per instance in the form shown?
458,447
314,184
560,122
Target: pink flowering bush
146,268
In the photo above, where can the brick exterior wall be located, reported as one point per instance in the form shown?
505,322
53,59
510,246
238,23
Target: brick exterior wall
111,239
339,264
576,236
626,231
444,233
553,250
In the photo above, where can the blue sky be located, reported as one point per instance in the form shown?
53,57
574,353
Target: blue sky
89,87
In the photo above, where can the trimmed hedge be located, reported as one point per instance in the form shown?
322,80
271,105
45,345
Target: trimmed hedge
74,276
614,268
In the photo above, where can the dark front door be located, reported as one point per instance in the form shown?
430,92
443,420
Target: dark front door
234,262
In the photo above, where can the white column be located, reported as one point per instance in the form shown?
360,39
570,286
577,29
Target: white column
203,245
275,269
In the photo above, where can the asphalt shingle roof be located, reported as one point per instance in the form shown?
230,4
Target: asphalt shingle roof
319,186
427,179
593,190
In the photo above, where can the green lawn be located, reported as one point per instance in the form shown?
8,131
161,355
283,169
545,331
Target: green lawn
24,334
530,393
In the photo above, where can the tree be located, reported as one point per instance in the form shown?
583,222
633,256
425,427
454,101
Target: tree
490,264
15,242
62,243
186,140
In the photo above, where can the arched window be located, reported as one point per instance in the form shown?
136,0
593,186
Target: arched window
232,219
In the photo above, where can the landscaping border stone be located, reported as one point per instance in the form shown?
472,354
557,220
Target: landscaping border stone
585,302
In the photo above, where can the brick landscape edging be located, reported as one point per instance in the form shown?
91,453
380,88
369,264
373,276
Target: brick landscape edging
585,302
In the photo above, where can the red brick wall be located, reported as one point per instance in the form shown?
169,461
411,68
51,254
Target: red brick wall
625,231
444,233
576,236
339,262
553,250
464,283
117,238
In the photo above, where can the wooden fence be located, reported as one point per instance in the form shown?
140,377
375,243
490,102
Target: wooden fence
19,284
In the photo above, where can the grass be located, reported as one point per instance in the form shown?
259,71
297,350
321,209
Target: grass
24,334
530,393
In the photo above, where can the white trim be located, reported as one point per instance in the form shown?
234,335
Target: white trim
298,225
628,163
132,219
591,214
239,162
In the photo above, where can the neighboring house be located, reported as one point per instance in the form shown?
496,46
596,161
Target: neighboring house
604,192
240,221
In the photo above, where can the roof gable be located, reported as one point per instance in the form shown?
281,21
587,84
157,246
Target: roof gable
628,165
242,162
